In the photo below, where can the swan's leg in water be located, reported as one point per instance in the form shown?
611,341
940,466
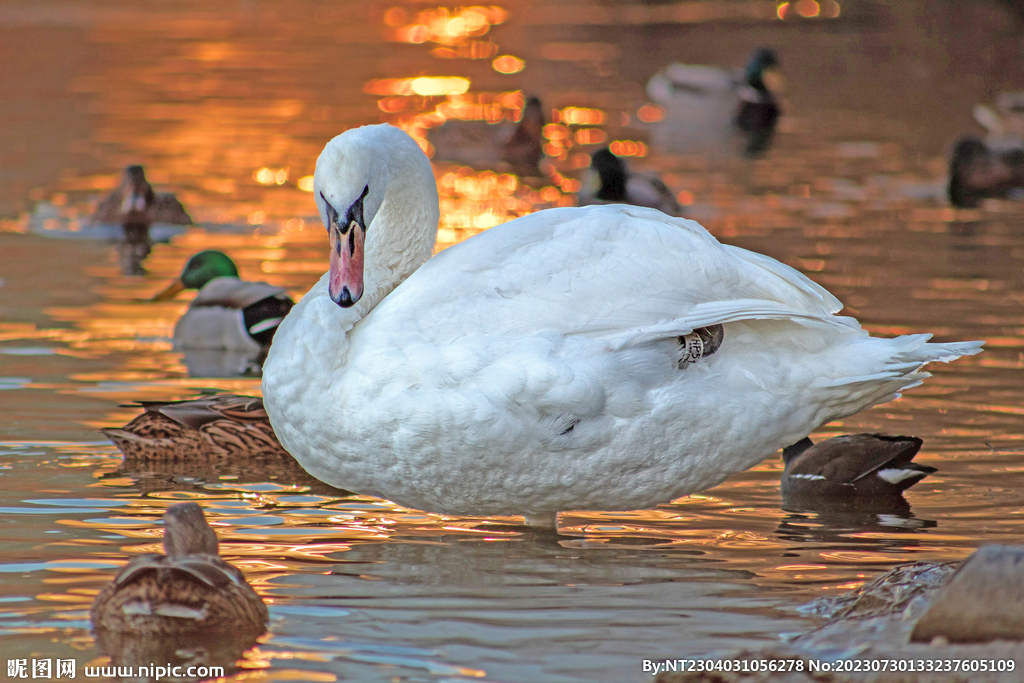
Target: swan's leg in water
547,520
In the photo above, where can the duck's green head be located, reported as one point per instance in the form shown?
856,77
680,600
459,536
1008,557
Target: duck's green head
761,63
200,269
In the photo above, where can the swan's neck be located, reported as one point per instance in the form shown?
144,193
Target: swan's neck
305,368
399,239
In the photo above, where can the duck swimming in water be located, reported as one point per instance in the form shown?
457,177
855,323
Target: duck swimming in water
134,199
189,589
861,465
566,360
610,182
227,313
708,109
978,172
226,426
136,207
520,145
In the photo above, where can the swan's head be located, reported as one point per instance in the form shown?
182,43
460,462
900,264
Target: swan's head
359,173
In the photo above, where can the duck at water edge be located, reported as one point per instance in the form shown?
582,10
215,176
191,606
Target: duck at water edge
857,465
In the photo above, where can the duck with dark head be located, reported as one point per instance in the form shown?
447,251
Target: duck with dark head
227,315
861,466
758,112
709,110
610,181
978,172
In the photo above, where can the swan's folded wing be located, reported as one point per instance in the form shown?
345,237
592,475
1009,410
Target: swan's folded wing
618,272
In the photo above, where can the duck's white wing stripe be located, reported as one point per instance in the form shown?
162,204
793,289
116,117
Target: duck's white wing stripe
895,476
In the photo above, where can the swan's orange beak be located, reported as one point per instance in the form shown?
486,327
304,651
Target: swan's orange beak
345,283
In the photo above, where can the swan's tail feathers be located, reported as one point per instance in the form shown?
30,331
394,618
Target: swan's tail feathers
930,352
898,365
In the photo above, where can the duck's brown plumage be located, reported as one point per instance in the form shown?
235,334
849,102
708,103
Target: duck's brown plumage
189,589
851,465
160,207
220,426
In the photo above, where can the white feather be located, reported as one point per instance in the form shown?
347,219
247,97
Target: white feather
182,612
895,476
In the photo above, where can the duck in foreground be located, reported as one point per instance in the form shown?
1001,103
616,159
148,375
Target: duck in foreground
610,182
187,590
226,426
595,358
227,313
864,465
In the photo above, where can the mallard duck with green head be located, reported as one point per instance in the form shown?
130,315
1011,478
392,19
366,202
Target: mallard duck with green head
227,313
710,109
188,589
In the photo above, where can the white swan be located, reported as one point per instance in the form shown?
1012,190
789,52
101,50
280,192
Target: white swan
538,366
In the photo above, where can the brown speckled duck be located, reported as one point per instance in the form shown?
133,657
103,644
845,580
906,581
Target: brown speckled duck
135,206
222,426
187,590
135,200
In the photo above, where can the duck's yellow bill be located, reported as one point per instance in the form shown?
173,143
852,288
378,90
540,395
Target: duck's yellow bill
171,291
773,79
